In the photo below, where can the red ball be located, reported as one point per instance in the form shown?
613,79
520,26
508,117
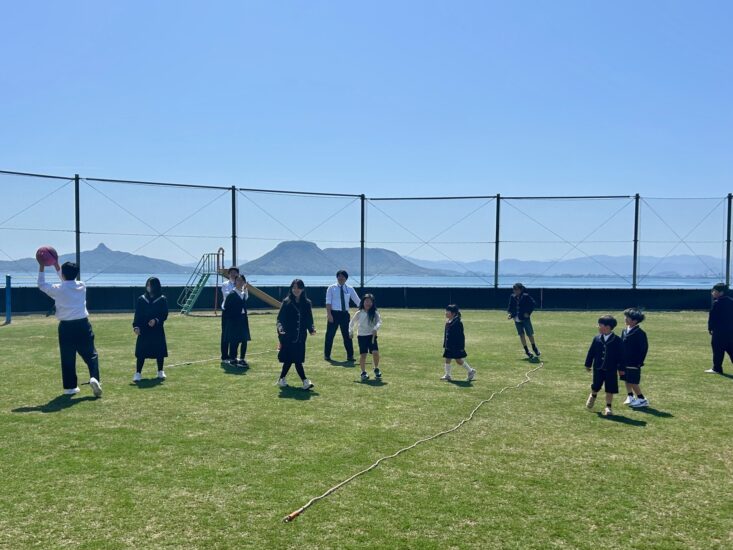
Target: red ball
47,255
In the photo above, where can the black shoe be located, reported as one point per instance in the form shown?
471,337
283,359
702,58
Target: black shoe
529,355
243,363
350,360
536,352
326,357
377,373
233,362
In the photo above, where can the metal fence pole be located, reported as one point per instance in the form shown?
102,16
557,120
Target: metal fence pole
77,218
8,310
727,240
496,241
363,238
635,265
234,225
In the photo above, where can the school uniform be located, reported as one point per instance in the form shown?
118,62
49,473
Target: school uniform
294,322
226,288
720,326
236,330
605,356
519,307
365,333
454,340
151,342
635,347
339,297
75,330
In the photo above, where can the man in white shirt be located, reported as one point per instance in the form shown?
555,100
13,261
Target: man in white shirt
338,297
75,330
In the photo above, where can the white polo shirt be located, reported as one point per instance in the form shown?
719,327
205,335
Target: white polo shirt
70,297
333,297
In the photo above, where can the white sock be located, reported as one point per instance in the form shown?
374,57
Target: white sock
466,366
447,368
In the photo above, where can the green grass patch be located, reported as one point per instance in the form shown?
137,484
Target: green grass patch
213,458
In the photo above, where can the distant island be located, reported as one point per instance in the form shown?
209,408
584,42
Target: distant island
308,259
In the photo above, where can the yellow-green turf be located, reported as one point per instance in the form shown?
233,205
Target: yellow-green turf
215,458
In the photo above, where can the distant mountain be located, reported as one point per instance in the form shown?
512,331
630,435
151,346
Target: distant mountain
678,266
306,258
104,259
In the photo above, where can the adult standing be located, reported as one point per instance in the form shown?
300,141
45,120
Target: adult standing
720,327
338,297
226,288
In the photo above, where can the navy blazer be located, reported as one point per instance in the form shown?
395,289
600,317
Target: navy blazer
518,306
635,347
605,354
720,318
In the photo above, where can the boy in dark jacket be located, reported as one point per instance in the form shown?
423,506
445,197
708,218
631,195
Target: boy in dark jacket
635,347
454,343
720,327
521,306
604,359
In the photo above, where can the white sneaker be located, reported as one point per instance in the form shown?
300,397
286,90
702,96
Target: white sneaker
471,375
137,377
607,411
446,377
96,387
282,383
591,401
307,384
72,391
161,374
712,371
629,399
638,403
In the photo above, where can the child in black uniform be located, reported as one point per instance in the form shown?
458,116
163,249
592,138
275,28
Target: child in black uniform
635,346
604,357
236,324
720,327
521,306
294,322
454,343
151,312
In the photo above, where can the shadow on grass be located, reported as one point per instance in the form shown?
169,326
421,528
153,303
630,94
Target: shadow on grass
622,420
345,364
461,383
376,382
231,369
146,383
299,394
534,359
726,375
653,412
55,405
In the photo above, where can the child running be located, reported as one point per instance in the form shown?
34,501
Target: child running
368,321
454,343
521,306
604,358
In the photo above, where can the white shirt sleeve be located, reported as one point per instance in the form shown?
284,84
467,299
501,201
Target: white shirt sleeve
354,321
47,288
378,319
354,297
329,296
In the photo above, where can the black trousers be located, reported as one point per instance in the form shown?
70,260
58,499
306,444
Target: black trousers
233,346
721,343
340,320
77,337
224,344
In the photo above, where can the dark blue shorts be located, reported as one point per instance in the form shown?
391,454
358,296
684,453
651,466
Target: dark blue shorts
367,344
524,327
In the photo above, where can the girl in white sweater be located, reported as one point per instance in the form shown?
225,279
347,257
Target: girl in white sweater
369,321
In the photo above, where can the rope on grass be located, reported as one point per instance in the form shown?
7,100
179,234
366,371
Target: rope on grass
290,517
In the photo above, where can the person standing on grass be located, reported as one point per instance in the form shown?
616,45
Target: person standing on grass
605,358
294,322
521,306
75,330
151,312
367,321
338,297
226,287
454,343
635,348
720,327
236,332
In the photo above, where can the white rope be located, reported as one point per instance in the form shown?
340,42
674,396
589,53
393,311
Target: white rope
290,517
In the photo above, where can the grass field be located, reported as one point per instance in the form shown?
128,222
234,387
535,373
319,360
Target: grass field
215,458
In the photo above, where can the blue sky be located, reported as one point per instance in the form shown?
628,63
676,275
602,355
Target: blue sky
384,98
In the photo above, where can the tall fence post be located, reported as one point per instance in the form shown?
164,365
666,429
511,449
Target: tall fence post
363,239
234,225
77,220
496,241
727,240
635,260
8,309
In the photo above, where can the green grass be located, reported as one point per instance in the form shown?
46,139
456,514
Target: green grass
211,459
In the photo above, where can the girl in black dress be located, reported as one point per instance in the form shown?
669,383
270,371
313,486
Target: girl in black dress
236,322
151,311
294,322
454,343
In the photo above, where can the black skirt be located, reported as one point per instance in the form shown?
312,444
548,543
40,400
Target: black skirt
236,329
292,352
454,353
151,343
